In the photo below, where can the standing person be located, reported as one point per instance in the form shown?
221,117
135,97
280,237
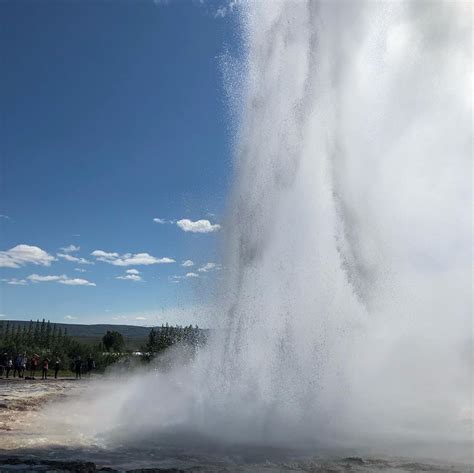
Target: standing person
57,365
90,364
45,369
77,367
24,359
17,366
9,366
34,364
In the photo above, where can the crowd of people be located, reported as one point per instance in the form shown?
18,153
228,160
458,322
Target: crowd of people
23,366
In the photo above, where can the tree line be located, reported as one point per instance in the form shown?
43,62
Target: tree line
34,336
47,339
186,341
166,336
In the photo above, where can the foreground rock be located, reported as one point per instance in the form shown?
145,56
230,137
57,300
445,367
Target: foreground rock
21,464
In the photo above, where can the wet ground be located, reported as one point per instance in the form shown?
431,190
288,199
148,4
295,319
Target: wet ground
27,443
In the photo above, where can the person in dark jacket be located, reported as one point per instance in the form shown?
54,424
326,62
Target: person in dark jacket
78,367
18,366
57,365
90,364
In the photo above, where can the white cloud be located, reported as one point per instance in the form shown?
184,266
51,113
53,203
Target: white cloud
187,263
104,254
132,271
130,277
199,226
6,217
191,275
38,278
16,282
129,259
21,255
141,318
208,267
2,315
80,270
162,221
61,279
76,282
70,317
74,259
71,249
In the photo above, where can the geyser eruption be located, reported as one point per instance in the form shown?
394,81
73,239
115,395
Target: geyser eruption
345,315
349,236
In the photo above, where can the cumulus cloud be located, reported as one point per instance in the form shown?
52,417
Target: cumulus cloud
76,282
16,282
80,270
130,277
71,249
61,279
191,275
198,226
129,259
132,271
188,263
73,259
22,255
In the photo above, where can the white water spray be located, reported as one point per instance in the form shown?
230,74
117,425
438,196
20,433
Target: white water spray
349,237
347,297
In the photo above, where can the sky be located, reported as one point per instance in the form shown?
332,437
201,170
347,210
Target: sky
115,159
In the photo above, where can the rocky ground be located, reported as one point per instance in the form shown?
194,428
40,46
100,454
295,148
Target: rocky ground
20,399
350,464
26,446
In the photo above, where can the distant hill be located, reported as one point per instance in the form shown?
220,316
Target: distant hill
93,331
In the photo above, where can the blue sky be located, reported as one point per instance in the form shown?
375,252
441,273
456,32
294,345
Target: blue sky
113,114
